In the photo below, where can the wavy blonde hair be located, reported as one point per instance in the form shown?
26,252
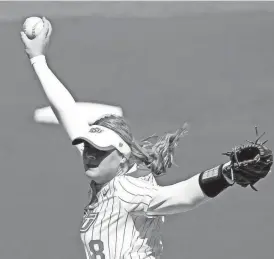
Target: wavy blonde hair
157,157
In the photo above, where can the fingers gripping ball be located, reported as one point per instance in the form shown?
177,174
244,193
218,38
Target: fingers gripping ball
249,163
33,26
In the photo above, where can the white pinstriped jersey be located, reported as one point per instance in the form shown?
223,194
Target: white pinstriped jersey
116,227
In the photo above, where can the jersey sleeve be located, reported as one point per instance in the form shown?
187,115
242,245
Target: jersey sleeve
135,194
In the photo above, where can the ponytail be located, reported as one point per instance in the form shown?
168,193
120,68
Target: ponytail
157,157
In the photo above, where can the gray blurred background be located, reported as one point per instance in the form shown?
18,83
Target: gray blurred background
210,64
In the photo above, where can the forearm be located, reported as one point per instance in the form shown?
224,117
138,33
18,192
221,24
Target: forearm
177,198
57,94
188,194
61,101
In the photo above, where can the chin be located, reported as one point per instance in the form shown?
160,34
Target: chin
92,173
95,175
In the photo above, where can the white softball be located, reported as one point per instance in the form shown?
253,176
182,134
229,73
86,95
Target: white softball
33,26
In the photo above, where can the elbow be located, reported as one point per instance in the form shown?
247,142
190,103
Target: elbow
187,204
178,205
63,107
62,103
192,203
177,198
192,199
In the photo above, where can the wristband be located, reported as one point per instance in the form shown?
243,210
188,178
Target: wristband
213,182
37,59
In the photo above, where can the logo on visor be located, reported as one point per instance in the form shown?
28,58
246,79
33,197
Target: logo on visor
96,130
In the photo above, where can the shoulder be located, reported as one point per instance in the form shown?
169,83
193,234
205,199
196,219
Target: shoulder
132,184
142,173
130,179
150,178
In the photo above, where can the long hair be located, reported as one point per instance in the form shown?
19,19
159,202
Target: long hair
157,157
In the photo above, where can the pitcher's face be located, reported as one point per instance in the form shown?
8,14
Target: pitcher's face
100,166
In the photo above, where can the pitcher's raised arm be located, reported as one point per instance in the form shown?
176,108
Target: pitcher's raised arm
60,99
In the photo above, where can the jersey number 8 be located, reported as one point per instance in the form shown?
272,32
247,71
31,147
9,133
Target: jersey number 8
97,248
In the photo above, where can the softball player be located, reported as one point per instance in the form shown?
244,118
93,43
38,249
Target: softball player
127,207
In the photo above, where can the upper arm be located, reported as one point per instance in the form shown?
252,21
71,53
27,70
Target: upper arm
177,198
141,197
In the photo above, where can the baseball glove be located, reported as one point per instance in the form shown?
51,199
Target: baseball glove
249,163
